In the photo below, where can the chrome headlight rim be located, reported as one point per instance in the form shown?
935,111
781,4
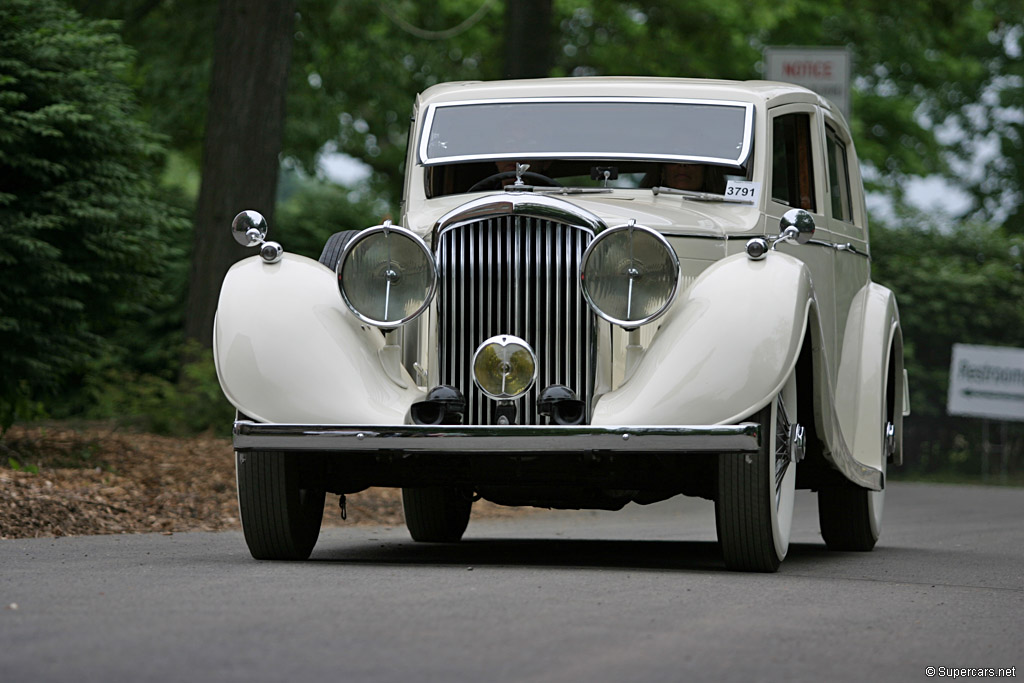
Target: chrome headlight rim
504,340
387,227
674,258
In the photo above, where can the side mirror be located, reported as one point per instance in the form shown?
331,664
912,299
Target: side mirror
797,226
249,228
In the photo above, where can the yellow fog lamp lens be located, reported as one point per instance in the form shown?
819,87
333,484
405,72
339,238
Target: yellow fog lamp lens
629,274
387,275
504,367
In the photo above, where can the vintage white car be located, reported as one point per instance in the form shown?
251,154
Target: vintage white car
599,291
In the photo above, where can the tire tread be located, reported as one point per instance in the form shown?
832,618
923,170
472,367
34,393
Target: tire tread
333,247
844,518
436,515
275,523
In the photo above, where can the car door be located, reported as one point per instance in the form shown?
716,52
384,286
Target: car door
846,218
796,179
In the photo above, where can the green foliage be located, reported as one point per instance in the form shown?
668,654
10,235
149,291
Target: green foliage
15,465
190,404
315,210
918,65
355,74
82,231
171,74
959,284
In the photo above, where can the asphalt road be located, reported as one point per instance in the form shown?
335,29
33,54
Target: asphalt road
639,595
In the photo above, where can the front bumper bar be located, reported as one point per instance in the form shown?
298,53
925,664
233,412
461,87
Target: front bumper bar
741,438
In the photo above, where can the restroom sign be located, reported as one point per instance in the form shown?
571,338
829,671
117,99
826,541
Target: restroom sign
986,381
826,71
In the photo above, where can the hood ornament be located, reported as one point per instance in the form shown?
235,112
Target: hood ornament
520,170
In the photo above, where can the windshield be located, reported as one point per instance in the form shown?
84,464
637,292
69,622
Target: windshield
588,128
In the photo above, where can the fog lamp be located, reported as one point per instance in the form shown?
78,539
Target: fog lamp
504,367
387,275
445,405
560,404
629,274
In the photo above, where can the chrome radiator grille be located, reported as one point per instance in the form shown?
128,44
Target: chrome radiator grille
514,275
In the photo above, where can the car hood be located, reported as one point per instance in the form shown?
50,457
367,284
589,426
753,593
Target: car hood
665,213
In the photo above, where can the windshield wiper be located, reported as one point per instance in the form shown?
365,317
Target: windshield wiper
575,190
543,189
698,196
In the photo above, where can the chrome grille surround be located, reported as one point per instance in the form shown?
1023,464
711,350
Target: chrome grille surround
509,265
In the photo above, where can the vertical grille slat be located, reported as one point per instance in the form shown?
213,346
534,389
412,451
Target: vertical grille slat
469,310
514,275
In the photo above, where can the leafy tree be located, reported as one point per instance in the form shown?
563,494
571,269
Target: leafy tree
933,78
316,209
954,284
82,232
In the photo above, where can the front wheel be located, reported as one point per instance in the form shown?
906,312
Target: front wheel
436,514
280,518
754,505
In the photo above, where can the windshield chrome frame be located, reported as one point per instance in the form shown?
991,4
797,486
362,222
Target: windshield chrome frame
741,158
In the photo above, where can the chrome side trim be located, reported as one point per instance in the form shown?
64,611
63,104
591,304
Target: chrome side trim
846,247
849,247
741,438
701,235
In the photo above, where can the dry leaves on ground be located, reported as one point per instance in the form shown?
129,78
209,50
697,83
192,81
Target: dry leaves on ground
60,481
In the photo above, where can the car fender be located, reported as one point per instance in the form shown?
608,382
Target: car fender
873,340
723,351
287,349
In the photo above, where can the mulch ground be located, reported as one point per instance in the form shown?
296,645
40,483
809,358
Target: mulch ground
56,480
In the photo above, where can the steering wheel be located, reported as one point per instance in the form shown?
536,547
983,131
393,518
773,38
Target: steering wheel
493,181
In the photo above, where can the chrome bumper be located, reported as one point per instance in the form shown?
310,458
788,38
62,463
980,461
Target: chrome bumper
741,438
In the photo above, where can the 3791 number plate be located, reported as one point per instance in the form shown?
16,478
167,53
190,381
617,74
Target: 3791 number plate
744,191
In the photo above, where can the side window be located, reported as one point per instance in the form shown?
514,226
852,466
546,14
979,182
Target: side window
792,163
839,177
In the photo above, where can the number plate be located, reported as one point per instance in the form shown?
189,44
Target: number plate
743,191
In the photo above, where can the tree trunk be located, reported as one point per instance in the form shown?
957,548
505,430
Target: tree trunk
528,38
244,127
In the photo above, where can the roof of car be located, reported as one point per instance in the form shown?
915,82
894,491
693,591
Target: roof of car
620,86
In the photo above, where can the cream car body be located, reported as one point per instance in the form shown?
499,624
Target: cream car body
793,315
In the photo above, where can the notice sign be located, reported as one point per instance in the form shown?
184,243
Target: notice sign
826,71
987,381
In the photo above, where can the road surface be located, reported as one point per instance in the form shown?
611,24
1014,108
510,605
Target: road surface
638,595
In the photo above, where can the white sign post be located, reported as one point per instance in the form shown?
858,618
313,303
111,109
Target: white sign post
986,381
824,70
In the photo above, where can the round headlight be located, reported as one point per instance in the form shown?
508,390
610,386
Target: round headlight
387,275
630,274
504,367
